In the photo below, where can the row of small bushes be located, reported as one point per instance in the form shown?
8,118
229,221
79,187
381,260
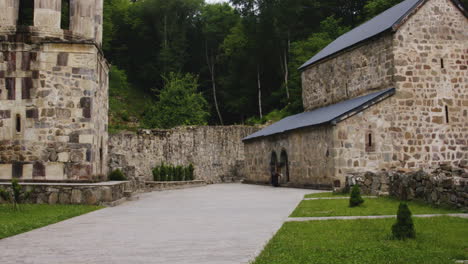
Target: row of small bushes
165,172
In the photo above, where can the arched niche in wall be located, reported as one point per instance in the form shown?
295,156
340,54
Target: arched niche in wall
284,166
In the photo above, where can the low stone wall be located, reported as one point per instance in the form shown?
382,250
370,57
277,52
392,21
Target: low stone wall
216,152
163,186
443,185
73,193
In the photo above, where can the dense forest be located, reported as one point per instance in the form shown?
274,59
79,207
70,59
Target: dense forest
187,62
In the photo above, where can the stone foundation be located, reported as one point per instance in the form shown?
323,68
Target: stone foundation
163,186
73,193
443,186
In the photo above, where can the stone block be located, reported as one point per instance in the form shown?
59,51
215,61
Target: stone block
55,171
53,198
76,196
63,157
27,172
86,139
5,171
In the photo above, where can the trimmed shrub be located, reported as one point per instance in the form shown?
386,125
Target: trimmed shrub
117,175
163,172
355,199
404,227
191,170
157,174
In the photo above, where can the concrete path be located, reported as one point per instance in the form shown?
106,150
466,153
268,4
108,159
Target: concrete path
305,219
218,224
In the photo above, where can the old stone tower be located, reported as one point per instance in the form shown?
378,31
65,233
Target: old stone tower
53,90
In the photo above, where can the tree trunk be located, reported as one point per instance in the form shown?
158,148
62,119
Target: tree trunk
211,66
259,85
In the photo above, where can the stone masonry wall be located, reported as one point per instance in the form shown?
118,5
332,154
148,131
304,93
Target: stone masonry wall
217,153
442,186
309,158
73,193
431,78
349,74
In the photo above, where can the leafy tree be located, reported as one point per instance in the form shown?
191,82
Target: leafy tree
375,7
179,104
404,227
15,195
216,21
355,199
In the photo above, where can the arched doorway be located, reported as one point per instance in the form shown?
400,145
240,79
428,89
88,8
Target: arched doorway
274,169
284,167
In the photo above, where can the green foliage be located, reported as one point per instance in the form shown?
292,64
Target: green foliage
366,241
375,7
179,104
376,206
32,216
404,227
165,172
117,175
15,194
355,199
273,116
126,105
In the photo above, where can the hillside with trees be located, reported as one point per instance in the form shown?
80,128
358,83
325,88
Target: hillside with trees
187,62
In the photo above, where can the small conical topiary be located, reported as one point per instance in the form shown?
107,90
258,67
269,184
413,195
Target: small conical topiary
355,199
404,227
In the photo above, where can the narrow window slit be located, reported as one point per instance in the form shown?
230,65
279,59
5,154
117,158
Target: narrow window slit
65,18
370,140
447,120
18,123
442,63
26,13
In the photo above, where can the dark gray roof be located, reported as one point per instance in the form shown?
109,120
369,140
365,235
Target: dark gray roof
325,115
379,24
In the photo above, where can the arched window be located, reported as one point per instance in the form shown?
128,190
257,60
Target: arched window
370,142
65,18
26,13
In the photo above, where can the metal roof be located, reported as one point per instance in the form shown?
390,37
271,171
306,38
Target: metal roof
383,22
326,115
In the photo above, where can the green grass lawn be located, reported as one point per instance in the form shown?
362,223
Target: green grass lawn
376,206
438,240
32,216
326,195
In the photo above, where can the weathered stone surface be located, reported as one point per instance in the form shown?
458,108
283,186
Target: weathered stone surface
42,83
216,152
439,186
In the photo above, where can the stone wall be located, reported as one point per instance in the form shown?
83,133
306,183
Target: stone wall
309,161
431,78
73,193
53,96
442,186
349,74
216,152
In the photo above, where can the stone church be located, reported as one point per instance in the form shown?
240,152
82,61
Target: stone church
390,94
53,90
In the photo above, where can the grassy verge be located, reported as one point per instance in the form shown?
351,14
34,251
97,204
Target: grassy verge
32,216
376,206
326,195
439,240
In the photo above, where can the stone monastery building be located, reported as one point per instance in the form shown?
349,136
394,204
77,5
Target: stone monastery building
391,93
53,90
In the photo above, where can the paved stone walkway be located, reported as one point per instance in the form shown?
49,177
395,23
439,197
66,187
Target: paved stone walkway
305,219
218,224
